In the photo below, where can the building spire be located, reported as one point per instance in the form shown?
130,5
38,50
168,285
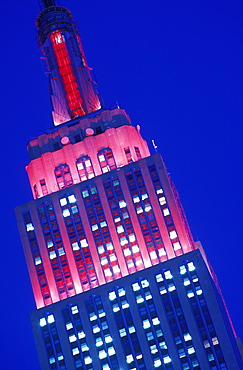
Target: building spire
72,86
47,3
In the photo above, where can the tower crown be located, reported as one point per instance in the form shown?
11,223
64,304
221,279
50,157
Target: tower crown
72,87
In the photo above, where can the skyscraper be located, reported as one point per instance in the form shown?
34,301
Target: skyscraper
104,224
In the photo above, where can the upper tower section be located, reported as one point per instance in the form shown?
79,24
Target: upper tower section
73,90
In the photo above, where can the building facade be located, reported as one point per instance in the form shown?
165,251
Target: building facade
118,280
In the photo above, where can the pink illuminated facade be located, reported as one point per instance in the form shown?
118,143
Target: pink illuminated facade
103,206
106,235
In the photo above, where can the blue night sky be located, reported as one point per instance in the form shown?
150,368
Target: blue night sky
176,67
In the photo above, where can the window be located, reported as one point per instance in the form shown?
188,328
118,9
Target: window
63,176
137,151
85,168
43,187
128,154
106,159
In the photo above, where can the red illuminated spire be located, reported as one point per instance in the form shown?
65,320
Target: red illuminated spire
73,90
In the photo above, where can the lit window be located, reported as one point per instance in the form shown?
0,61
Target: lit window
37,261
150,336
191,350
182,270
129,359
121,292
163,345
159,278
75,351
139,299
131,329
199,290
52,360
122,204
116,269
99,342
72,338
171,287
191,266
157,362
52,255
206,344
153,349
81,335
135,249
65,213
138,357
74,209
72,199
148,296
187,337
136,199
146,324
166,211
92,316
102,354
135,287
117,219
190,294
63,201
139,210
75,246
108,338
111,351
103,224
96,329
115,182
84,243
144,283
109,246
112,296
106,367
147,208
215,341
112,257
116,308
159,191
85,193
168,275
74,309
125,215
144,196
132,238
103,261
107,272
49,244
210,357
176,246
186,281
173,234
101,249
155,321
122,332
159,333
60,358
163,290
162,252
61,251
42,322
167,359
126,252
94,227
69,325
153,255
50,319
120,229
162,201
30,227
87,360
